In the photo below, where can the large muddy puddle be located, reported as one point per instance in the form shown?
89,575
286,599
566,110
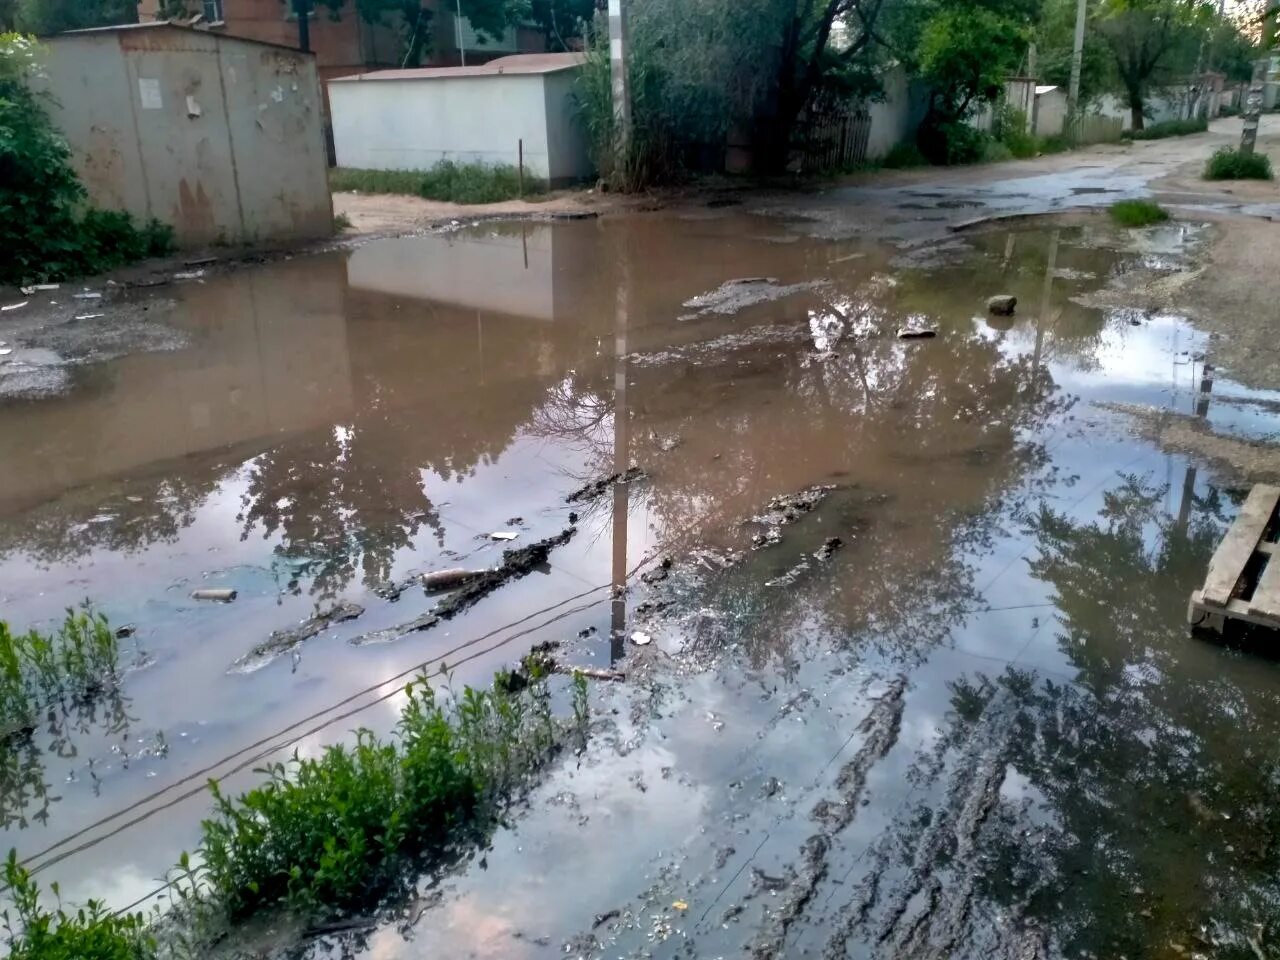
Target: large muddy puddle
975,725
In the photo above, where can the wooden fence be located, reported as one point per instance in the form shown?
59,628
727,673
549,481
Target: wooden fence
834,139
1093,128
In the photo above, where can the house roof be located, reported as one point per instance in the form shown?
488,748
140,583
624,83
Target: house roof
167,25
521,64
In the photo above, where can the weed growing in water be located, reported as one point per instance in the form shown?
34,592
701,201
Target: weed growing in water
343,830
1138,213
90,932
76,662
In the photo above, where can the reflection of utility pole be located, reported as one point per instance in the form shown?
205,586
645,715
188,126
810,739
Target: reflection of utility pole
1189,478
457,30
619,53
1046,293
1077,62
302,9
621,460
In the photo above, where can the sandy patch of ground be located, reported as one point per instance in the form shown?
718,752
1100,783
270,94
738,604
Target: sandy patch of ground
391,213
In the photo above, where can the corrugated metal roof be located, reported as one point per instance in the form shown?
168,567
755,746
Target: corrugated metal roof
166,25
522,64
1045,88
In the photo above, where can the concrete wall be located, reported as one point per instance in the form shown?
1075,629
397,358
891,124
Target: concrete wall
415,124
566,139
219,138
1161,105
895,119
1051,113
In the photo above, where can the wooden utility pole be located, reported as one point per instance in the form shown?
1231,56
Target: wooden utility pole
619,51
1077,61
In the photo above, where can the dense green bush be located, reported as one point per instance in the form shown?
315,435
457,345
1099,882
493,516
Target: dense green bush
1138,213
447,181
1231,164
1011,130
904,156
45,231
961,143
1169,128
91,932
338,832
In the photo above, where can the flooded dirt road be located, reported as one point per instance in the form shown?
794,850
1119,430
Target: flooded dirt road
903,621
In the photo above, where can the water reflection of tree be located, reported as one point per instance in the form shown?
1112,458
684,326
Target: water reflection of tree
1132,811
130,516
25,793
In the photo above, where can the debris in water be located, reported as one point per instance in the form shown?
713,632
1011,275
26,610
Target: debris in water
282,641
641,639
90,316
735,295
5,351
786,509
440,580
916,333
126,631
1002,305
188,275
503,535
597,487
680,905
218,595
88,295
15,306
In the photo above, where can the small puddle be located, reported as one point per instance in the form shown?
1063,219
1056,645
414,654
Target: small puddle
954,687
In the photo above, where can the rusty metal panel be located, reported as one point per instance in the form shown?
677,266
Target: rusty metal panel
275,120
219,137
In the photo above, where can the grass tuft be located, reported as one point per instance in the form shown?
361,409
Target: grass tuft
447,181
1168,128
903,157
1138,213
90,932
77,661
344,830
1231,164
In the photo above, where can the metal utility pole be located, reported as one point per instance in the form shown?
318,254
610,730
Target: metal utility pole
1077,61
619,50
302,8
457,30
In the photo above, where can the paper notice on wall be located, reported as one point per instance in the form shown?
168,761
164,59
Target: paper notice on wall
149,94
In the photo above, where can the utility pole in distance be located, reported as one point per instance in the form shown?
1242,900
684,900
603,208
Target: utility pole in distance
302,9
618,54
1077,62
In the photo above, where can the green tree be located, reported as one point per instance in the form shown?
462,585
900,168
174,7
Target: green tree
1150,42
1055,39
45,17
562,21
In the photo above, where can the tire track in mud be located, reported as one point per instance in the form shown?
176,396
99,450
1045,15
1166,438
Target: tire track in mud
928,912
881,726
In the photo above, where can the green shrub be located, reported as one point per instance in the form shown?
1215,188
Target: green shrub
1055,144
1011,131
77,661
45,231
1230,164
996,151
1138,213
1169,128
342,830
904,156
447,181
89,933
963,143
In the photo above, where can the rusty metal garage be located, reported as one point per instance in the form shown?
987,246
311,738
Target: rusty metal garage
219,136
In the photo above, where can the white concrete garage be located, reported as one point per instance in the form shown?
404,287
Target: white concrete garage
414,119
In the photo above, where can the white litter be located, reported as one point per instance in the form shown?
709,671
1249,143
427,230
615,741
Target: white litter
504,535
5,351
641,639
46,286
88,296
189,275
15,306
90,316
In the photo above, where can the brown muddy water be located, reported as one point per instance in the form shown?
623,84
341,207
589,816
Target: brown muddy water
976,727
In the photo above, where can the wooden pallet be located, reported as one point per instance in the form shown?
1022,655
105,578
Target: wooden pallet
1243,582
